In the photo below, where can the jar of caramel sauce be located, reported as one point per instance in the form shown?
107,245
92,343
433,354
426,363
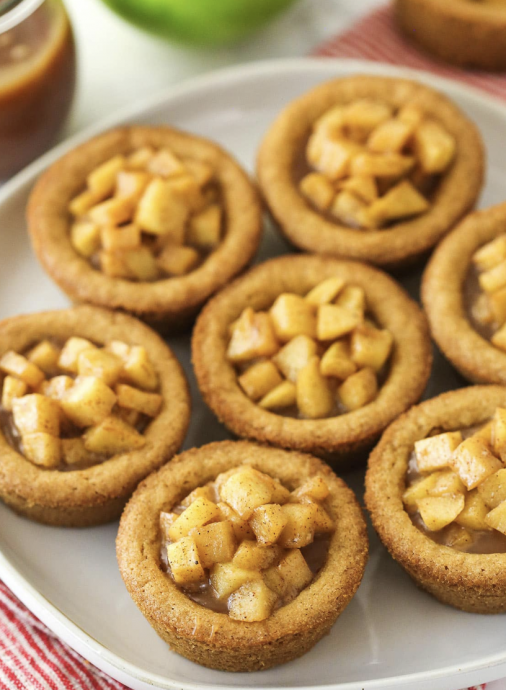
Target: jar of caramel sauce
37,78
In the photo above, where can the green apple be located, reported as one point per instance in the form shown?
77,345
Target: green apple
201,22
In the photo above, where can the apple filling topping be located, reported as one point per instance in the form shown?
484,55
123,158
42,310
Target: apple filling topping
485,291
311,357
147,216
246,545
456,487
72,406
371,166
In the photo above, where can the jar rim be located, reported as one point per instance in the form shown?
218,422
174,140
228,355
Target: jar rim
21,11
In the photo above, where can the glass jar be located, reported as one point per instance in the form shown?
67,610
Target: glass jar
37,78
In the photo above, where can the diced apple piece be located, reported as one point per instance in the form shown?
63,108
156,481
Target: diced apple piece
352,298
295,574
227,578
362,186
252,336
300,526
205,228
435,147
419,489
337,361
118,348
497,305
82,203
215,543
140,157
200,170
267,523
314,487
335,321
12,388
114,211
138,369
284,395
21,368
101,364
42,449
474,462
326,291
371,347
481,309
439,511
36,414
381,165
447,482
178,261
292,316
131,184
474,512
113,265
260,379
166,164
112,436
493,489
494,278
102,180
314,395
162,212
485,433
402,201
74,452
85,238
497,518
242,529
491,254
359,389
390,136
349,209
458,538
246,490
363,116
253,556
56,387
331,123
280,493
499,338
131,417
120,239
199,492
435,453
411,113
69,355
199,513
184,561
295,355
318,189
140,263
45,355
134,399
323,523
88,402
498,433
187,191
252,602
331,156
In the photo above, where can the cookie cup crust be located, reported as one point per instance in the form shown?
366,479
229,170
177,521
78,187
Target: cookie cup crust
464,33
333,438
96,494
471,582
163,303
308,230
443,298
213,639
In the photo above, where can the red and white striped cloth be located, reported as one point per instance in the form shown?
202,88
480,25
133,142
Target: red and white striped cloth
31,656
376,38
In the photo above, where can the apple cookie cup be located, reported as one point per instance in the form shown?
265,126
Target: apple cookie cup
148,220
215,639
92,401
438,563
370,168
330,397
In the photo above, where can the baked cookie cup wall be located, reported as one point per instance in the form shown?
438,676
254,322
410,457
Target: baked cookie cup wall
470,582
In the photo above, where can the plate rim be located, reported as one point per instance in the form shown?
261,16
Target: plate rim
57,621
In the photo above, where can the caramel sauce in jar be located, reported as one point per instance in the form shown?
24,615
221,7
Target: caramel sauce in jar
37,79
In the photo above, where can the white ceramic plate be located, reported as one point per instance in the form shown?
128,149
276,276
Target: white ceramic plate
391,635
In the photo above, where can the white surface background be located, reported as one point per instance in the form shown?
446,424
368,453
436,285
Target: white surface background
119,65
